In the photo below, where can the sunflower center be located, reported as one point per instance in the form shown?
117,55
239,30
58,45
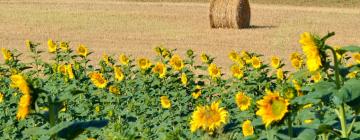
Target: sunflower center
277,107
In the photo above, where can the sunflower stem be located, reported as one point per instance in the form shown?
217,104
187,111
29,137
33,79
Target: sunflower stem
341,108
290,130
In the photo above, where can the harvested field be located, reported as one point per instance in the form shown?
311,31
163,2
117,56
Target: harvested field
136,27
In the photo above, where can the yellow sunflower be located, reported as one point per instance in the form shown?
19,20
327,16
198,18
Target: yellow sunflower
70,71
214,71
352,74
62,69
296,63
316,76
82,50
296,84
124,60
184,79
1,97
356,57
272,108
280,74
247,128
160,69
237,72
23,107
114,89
176,62
275,62
6,54
144,63
51,46
18,81
28,44
256,62
64,46
204,58
234,56
245,56
242,101
119,75
98,80
165,102
197,93
313,60
106,59
208,118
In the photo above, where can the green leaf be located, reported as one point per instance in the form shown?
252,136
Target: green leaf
351,48
76,128
350,93
307,134
35,131
319,91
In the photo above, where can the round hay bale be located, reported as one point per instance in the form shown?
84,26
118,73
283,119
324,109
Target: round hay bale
229,14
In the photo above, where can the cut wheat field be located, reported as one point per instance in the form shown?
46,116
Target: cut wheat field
135,28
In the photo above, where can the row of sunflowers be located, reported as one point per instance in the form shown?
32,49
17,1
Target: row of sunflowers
174,97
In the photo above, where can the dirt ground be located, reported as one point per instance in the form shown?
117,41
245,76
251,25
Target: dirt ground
134,28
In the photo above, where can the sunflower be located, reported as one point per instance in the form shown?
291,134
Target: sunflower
176,62
124,60
208,118
28,44
296,84
184,79
307,39
233,56
165,102
214,71
197,93
114,89
356,57
204,58
316,76
144,63
23,107
1,97
64,46
313,60
296,63
82,50
308,121
160,69
280,74
352,74
62,69
247,128
237,72
272,108
51,46
245,56
18,81
256,62
6,54
70,71
106,59
275,62
242,101
98,80
119,75
339,53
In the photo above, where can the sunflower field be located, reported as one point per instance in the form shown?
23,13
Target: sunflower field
174,97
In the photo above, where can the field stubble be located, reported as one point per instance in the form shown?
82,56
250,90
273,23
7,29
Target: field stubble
136,27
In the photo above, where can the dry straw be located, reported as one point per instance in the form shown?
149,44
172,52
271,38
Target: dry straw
229,14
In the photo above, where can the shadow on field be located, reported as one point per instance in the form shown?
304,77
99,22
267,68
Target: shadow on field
261,26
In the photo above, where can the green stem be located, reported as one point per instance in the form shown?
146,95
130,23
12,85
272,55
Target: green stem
52,115
341,108
290,130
